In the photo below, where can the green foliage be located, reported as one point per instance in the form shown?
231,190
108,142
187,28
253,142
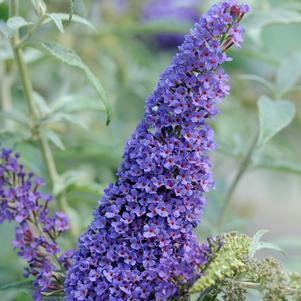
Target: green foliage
70,58
273,117
257,244
288,73
265,17
59,18
14,24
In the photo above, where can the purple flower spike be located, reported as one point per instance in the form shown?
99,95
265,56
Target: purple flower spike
141,244
36,233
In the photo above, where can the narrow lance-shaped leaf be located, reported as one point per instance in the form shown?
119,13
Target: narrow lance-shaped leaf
70,58
273,117
16,23
259,80
60,17
54,138
278,164
57,21
75,103
16,116
257,244
288,73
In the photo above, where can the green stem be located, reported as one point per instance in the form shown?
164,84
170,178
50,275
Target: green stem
28,92
5,94
48,158
260,287
13,8
242,168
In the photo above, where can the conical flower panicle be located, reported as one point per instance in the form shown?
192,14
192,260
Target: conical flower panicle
22,201
140,245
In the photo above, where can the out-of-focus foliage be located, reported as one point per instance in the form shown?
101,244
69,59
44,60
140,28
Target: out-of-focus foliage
118,47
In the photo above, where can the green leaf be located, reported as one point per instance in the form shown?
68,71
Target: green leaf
69,178
88,187
257,244
10,138
65,17
273,117
288,73
32,158
255,241
54,138
41,104
269,246
15,23
76,103
69,57
260,19
278,164
16,116
64,117
27,284
259,80
275,16
57,21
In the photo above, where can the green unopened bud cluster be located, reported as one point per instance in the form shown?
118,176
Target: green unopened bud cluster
231,270
229,261
274,283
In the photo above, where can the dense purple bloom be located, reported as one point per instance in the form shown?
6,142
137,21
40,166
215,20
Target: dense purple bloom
170,11
22,201
140,245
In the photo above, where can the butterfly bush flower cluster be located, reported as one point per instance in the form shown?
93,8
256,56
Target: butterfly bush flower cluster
140,245
22,201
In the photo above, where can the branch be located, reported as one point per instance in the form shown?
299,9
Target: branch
243,166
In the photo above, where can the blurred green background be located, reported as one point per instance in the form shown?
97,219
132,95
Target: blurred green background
126,54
